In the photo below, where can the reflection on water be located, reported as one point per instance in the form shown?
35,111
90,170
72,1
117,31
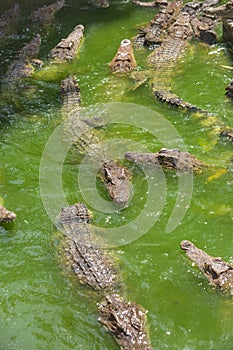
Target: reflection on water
41,306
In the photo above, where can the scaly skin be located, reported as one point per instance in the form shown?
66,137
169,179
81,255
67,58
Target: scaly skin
123,61
228,133
115,177
67,48
90,264
6,215
168,159
100,3
224,11
22,66
218,272
173,28
8,20
126,321
150,3
164,59
44,15
153,33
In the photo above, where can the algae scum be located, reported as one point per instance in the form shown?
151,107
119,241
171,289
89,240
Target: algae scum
42,307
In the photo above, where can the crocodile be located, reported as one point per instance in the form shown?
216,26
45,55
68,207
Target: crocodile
95,268
90,264
44,15
173,28
126,321
6,215
124,60
155,3
225,12
228,133
100,3
164,60
22,67
67,48
115,177
218,272
171,159
8,20
152,34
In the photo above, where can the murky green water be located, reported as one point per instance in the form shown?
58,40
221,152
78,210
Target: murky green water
41,307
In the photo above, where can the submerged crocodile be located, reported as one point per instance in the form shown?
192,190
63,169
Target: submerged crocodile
115,177
44,15
228,133
218,272
22,67
100,3
95,267
67,48
8,20
226,13
168,159
6,215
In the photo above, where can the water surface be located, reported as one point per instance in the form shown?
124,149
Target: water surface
42,307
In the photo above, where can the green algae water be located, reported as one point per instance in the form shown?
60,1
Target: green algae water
41,306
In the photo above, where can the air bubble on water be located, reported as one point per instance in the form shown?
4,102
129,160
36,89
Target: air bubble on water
120,252
144,261
108,219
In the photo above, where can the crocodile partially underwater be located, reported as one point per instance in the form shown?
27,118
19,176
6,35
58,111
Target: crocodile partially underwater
95,267
67,48
115,177
100,3
90,264
124,60
6,215
171,159
225,12
8,20
228,133
126,321
218,272
44,15
173,28
22,67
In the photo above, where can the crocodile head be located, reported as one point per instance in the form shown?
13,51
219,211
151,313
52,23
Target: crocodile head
117,181
101,3
123,61
218,272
